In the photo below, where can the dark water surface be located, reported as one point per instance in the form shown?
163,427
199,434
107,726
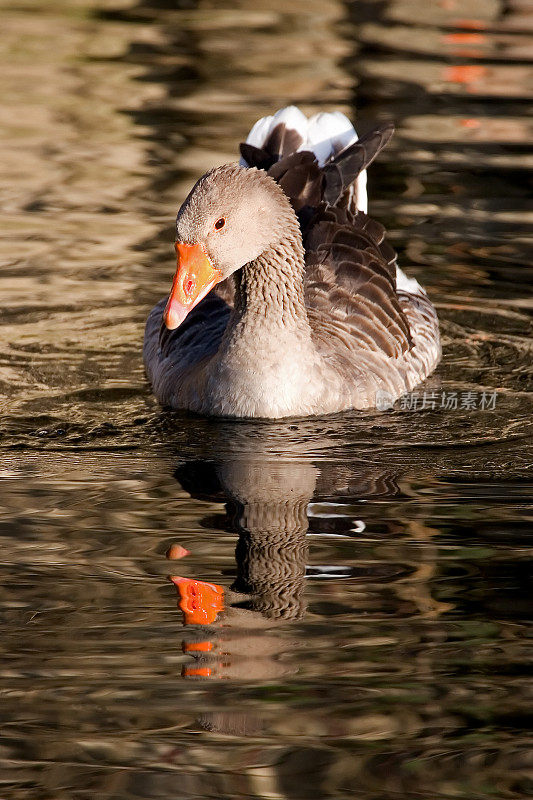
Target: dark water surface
373,567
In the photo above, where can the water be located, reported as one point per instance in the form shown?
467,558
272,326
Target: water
374,566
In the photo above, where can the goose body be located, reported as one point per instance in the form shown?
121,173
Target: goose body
287,300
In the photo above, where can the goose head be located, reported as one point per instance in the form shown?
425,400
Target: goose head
231,216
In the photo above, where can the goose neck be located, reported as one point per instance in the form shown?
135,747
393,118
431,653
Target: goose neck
271,287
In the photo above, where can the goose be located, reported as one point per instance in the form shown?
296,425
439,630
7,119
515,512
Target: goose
287,300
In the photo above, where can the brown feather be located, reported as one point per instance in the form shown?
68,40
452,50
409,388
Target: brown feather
282,141
343,169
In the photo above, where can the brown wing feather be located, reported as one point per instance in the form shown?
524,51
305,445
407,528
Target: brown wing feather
301,179
256,156
351,283
282,141
344,167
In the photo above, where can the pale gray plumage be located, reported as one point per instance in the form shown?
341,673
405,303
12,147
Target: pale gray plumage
294,331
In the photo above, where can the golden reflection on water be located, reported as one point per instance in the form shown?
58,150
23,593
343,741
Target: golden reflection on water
374,566
73,170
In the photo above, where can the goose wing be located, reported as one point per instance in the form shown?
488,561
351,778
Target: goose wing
350,286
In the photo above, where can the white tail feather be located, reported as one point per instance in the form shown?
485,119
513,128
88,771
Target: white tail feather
292,118
329,133
361,196
324,134
259,132
408,285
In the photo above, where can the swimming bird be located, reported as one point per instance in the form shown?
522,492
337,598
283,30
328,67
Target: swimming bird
287,300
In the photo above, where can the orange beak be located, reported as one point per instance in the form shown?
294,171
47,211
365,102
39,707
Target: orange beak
200,602
194,278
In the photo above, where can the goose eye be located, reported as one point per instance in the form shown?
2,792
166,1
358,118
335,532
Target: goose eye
220,223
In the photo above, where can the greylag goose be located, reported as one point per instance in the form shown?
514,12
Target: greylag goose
287,300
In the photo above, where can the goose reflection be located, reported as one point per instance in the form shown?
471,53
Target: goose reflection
267,504
241,632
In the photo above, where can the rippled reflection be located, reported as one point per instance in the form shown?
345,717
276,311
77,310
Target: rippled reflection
267,504
373,567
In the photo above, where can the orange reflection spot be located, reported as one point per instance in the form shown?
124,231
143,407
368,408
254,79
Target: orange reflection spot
464,38
470,123
472,24
196,672
197,647
200,602
464,73
177,551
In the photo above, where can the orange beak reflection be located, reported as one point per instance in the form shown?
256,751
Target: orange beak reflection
194,278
